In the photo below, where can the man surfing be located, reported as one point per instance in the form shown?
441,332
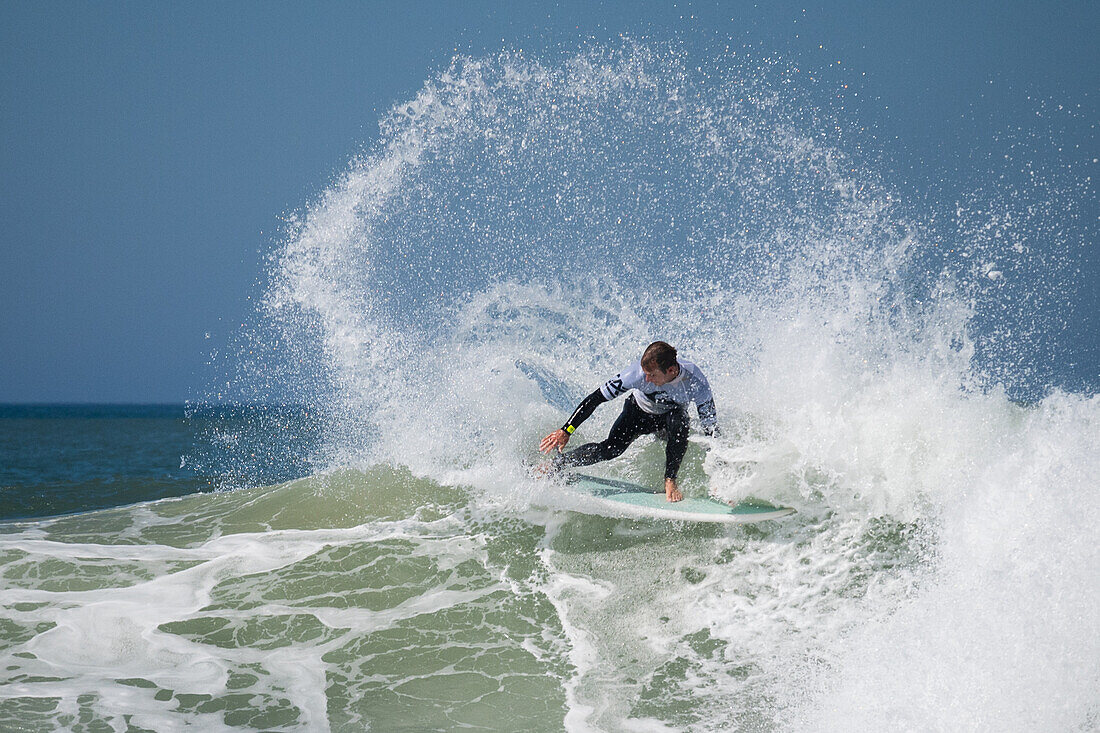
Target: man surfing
662,388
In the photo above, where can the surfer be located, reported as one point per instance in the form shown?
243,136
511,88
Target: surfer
662,388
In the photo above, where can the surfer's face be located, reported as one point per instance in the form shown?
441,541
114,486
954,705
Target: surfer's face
656,377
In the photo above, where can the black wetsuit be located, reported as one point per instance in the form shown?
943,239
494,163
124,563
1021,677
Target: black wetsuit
632,424
666,416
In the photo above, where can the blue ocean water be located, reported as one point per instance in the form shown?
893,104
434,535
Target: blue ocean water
56,459
379,556
59,459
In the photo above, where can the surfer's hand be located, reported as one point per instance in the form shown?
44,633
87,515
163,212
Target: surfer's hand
556,439
672,493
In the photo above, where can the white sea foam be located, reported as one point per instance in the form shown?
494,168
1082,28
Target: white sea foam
96,637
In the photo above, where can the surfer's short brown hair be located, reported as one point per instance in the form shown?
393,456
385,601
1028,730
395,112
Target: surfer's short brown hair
659,354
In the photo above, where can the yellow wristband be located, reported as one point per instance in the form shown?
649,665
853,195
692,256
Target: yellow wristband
569,429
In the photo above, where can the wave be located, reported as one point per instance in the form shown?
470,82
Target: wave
519,232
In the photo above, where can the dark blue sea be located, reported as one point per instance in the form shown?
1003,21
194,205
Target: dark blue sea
60,459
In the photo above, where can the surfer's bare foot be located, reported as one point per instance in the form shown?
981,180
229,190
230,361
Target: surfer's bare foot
672,493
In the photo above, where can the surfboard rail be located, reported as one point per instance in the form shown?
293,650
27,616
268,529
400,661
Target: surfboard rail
631,499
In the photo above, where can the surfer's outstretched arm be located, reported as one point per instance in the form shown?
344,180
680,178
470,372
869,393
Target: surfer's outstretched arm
560,437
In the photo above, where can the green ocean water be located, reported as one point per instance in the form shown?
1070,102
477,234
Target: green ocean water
376,600
339,601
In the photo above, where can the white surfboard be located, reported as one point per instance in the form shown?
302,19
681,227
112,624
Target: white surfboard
630,499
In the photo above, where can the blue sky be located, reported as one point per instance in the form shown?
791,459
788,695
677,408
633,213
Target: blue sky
150,149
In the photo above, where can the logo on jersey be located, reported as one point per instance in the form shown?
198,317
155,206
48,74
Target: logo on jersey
661,398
